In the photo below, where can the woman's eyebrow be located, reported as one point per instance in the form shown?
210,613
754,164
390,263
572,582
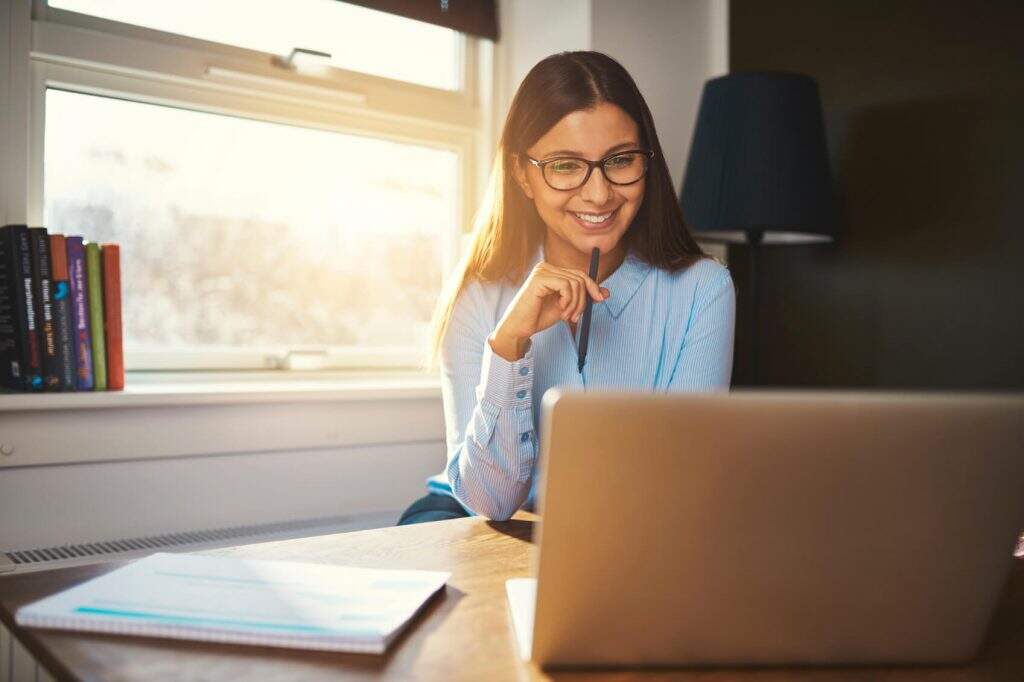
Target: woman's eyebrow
569,152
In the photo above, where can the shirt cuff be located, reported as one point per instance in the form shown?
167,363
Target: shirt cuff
506,384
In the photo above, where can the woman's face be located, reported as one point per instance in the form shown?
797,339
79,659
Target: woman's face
590,134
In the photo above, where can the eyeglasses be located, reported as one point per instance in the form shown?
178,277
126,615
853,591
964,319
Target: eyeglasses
569,172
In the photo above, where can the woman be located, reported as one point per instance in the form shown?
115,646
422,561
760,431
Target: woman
579,166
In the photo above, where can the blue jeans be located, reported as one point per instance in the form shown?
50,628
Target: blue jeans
432,507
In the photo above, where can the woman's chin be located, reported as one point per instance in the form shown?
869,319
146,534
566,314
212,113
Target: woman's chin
606,242
584,242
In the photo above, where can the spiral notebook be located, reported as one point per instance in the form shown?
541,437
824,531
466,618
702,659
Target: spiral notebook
245,601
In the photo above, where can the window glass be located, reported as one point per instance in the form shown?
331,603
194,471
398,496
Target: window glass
358,38
244,234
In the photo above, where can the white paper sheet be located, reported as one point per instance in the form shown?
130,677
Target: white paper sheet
522,596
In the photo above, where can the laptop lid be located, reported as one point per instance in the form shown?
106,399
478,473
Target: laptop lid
774,528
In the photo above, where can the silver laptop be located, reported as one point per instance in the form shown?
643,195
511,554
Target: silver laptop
771,528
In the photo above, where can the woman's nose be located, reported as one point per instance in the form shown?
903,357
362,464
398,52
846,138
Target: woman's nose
597,189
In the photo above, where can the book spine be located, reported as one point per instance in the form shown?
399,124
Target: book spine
62,312
80,313
111,256
39,242
15,275
94,274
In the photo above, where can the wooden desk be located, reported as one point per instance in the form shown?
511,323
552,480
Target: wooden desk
463,634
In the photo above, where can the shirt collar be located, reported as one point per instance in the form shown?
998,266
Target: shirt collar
623,283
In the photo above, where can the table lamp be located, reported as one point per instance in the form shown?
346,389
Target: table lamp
758,171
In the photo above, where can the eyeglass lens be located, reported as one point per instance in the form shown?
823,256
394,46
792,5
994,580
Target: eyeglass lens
621,169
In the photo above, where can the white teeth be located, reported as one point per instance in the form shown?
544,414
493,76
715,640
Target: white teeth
592,218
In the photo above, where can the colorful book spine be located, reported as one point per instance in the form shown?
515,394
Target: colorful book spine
20,359
42,284
94,273
80,313
111,256
62,311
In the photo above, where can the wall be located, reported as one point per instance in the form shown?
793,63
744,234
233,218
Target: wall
923,103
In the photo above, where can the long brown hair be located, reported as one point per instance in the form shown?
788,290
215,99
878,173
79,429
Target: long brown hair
507,230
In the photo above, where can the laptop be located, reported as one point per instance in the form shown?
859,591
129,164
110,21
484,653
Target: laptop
753,529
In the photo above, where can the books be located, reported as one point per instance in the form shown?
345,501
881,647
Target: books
60,312
20,361
39,242
80,313
111,257
94,287
245,601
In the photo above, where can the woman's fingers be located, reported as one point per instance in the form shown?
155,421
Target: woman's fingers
572,302
593,288
552,284
581,301
572,287
568,296
588,287
579,295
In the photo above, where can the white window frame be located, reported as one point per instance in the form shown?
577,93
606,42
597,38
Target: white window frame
90,55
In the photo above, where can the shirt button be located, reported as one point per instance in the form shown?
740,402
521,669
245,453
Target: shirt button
525,437
523,371
521,394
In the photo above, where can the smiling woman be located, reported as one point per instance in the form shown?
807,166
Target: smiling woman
579,167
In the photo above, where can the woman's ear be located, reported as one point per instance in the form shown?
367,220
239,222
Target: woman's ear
520,175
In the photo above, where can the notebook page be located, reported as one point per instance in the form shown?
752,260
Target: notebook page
268,602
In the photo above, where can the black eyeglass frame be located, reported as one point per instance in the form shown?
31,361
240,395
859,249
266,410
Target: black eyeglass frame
591,165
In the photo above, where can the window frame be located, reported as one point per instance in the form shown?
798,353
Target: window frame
95,56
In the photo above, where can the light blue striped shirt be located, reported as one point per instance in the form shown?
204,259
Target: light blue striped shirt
658,330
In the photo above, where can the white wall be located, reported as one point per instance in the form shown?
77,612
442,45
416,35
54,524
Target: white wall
45,506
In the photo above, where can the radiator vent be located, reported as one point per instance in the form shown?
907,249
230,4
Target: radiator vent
106,550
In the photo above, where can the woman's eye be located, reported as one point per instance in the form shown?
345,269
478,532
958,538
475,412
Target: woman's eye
566,166
619,161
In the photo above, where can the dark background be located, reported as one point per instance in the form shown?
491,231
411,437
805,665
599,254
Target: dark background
925,124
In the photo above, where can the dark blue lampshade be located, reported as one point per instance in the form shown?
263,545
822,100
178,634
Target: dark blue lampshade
759,163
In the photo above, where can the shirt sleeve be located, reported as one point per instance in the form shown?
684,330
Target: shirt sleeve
488,409
705,360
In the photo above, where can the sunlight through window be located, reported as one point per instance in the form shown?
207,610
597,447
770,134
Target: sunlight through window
358,38
241,233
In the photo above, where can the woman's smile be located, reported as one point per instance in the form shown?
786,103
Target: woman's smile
591,222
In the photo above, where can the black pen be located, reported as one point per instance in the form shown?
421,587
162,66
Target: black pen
585,322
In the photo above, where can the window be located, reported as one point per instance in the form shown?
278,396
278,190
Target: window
245,233
264,214
357,38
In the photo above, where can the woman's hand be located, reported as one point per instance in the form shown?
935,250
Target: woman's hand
548,295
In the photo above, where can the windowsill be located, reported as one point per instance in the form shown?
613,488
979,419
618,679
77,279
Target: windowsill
206,388
202,414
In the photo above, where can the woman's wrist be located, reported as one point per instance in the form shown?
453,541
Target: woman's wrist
508,347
